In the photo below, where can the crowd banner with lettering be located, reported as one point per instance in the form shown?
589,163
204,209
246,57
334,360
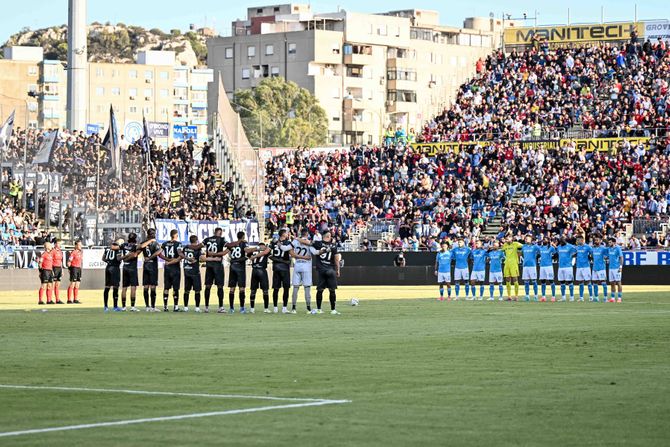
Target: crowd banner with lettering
604,144
26,258
569,34
205,228
657,29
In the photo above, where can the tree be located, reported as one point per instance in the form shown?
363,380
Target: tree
290,115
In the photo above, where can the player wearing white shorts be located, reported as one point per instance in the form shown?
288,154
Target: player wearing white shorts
495,258
478,274
461,255
443,270
547,253
599,275
302,270
530,253
583,267
566,254
615,261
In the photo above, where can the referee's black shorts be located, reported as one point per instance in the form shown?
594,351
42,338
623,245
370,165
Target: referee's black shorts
46,276
75,274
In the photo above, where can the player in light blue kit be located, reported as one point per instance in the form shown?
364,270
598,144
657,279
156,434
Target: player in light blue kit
547,253
599,276
443,269
461,255
478,274
583,264
615,260
566,253
495,258
530,252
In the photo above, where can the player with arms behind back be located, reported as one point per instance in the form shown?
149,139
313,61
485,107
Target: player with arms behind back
74,264
583,267
511,272
599,253
495,257
443,270
547,253
46,273
478,274
530,252
566,253
461,255
57,254
615,258
328,270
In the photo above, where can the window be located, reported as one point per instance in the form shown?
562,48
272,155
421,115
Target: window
245,73
148,93
132,109
401,95
355,71
148,74
115,73
164,111
99,72
382,31
132,74
292,48
132,92
274,71
228,53
116,91
181,93
269,50
164,75
251,51
99,91
259,11
276,9
336,48
32,71
198,96
147,110
164,92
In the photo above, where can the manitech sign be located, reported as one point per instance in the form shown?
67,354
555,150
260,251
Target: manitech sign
573,33
205,228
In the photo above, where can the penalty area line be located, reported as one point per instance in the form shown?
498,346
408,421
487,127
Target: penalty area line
172,418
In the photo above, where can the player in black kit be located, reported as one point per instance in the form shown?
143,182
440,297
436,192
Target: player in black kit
112,257
171,254
259,276
215,248
129,252
328,270
150,253
192,255
238,275
281,251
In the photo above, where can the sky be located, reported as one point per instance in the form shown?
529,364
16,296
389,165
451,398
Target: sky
169,14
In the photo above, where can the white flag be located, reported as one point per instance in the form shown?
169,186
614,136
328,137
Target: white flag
6,132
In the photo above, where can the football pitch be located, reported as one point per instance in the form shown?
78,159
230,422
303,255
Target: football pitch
400,369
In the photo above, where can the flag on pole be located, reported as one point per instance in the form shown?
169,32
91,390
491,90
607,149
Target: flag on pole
166,183
46,150
111,142
145,140
6,132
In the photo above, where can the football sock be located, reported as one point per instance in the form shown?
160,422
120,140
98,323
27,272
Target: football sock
105,297
285,297
544,289
535,288
175,297
516,288
581,291
197,299
231,299
252,298
481,291
275,297
219,294
153,298
308,297
48,295
449,291
509,289
294,298
605,290
266,299
123,298
563,290
133,298
596,290
69,292
553,289
620,296
186,294
458,289
572,290
41,294
331,297
319,299
590,288
166,294
526,286
56,293
442,291
208,291
145,294
492,289
242,297
500,289
76,293
467,289
115,296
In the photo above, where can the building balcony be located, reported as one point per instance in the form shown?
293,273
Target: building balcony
400,84
47,97
358,59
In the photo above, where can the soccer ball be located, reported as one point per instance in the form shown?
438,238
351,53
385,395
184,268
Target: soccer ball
313,311
354,302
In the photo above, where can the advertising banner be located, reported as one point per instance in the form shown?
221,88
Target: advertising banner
205,228
158,130
184,133
561,35
655,29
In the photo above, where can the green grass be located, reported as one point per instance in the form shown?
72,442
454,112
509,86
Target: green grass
418,372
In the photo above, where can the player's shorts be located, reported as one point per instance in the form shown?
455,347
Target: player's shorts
281,279
237,276
495,277
112,276
215,275
192,282
511,271
302,276
150,276
171,278
75,274
583,274
565,274
546,273
599,275
615,275
327,279
46,276
259,279
443,277
461,275
529,274
478,275
57,273
130,278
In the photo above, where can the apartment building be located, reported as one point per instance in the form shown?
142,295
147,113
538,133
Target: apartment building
369,71
172,97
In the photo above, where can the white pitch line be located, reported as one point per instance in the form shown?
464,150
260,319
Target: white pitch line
171,418
161,393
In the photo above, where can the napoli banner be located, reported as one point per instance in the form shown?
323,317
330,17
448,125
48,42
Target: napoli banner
205,228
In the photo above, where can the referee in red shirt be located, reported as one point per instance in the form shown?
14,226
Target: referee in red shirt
74,263
57,255
46,273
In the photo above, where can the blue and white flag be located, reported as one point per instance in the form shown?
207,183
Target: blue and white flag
6,132
166,183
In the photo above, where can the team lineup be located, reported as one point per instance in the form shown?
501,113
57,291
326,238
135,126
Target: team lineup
122,271
596,265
